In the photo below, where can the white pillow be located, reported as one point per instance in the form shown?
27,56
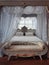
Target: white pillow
19,34
29,33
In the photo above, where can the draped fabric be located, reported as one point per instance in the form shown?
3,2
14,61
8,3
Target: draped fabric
39,26
10,17
9,20
42,26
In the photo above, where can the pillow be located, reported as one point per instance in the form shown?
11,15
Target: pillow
19,34
29,33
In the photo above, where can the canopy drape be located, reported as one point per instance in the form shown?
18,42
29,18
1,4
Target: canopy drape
41,30
9,20
10,17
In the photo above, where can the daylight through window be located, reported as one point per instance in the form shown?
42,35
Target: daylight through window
29,22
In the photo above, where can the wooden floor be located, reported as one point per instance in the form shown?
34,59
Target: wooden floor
24,61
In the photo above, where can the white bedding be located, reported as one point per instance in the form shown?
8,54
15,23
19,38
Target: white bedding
26,39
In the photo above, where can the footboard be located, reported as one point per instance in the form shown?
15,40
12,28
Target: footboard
20,50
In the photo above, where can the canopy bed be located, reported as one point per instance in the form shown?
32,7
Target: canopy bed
22,46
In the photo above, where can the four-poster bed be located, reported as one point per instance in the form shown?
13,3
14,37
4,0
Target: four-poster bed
22,46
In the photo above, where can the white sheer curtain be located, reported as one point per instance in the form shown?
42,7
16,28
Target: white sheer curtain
42,26
39,26
10,17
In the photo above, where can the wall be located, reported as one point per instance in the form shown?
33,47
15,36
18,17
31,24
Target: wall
48,30
24,2
48,26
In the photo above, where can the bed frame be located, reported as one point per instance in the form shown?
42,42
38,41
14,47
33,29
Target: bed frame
21,53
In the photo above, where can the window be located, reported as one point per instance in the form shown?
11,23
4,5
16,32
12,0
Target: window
29,22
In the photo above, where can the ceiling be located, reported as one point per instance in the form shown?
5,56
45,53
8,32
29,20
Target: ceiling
24,2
